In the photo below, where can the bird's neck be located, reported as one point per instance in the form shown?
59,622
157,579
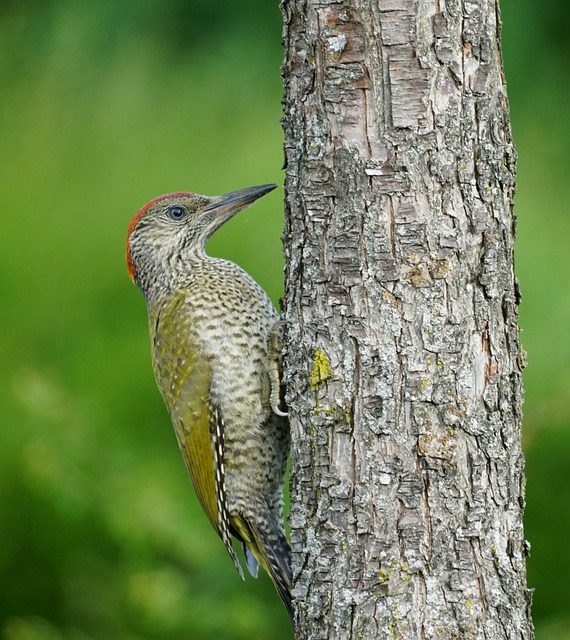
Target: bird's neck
174,272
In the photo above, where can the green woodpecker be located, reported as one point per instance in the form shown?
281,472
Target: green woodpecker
215,354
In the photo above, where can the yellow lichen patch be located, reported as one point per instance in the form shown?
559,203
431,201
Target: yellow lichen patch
417,277
390,298
383,576
439,268
405,572
438,445
321,370
413,258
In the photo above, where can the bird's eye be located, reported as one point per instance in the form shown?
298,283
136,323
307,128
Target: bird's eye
177,212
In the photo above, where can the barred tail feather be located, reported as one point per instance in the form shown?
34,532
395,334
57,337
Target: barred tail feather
271,549
279,569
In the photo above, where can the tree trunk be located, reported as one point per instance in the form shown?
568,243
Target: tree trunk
402,357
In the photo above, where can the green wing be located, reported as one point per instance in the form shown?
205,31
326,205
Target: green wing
184,379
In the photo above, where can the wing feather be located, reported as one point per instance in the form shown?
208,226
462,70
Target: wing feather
184,379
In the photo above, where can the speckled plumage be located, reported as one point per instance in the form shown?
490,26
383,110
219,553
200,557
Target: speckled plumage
213,332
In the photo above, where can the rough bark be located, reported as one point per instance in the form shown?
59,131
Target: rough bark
402,357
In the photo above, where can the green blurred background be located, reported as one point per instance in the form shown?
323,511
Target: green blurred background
105,105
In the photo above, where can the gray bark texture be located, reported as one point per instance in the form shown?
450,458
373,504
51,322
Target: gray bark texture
402,360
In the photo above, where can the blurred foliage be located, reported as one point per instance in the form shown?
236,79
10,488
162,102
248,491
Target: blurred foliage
105,105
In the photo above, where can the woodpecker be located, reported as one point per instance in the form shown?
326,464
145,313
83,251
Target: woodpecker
214,337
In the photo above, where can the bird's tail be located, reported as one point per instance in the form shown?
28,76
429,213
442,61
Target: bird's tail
265,543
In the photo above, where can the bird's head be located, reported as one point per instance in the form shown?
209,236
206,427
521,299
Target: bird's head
178,225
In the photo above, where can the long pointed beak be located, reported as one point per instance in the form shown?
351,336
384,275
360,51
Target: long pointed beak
227,205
